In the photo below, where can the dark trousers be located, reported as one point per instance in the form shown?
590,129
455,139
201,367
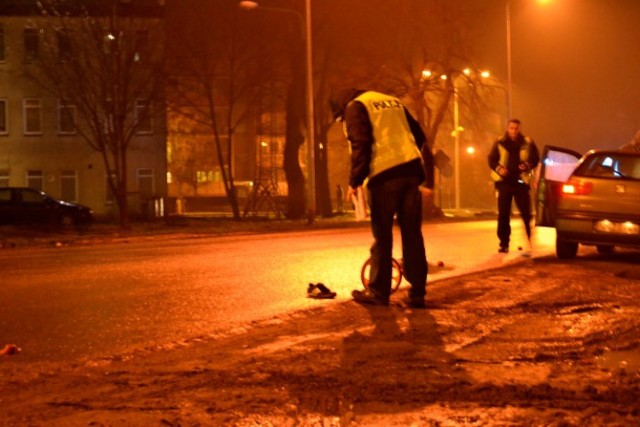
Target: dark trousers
506,193
401,196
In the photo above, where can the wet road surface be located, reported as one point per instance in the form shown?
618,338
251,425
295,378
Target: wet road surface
71,303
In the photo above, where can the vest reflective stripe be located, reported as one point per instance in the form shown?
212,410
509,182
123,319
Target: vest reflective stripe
393,142
525,150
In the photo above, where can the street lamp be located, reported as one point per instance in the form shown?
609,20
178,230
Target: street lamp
457,130
311,169
509,81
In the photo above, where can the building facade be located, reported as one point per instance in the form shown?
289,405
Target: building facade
44,142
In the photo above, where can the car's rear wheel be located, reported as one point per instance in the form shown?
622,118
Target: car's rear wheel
566,250
605,249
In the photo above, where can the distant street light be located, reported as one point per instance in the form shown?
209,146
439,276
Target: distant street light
311,169
457,128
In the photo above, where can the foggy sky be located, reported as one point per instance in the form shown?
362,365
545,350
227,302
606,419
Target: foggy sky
576,68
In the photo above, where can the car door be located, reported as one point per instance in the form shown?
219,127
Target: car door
35,209
556,166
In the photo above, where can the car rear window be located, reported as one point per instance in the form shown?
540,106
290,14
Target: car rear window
610,165
5,194
31,196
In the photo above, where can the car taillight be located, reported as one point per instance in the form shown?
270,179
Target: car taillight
579,188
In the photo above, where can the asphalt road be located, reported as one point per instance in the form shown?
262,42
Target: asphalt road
87,302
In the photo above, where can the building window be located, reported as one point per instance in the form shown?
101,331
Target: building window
4,117
35,179
143,116
4,178
64,44
2,46
205,176
32,116
145,183
69,186
66,117
31,44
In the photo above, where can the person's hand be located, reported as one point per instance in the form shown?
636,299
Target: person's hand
351,192
426,191
502,171
524,166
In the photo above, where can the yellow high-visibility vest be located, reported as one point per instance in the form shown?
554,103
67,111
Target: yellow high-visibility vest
525,150
393,142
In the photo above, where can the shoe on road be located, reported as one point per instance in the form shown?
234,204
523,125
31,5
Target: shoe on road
319,291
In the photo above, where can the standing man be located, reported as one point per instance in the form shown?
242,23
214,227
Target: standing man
388,149
512,159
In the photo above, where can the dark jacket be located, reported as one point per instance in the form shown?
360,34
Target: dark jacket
360,133
513,149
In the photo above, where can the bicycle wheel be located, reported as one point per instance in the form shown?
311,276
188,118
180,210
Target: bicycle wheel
396,274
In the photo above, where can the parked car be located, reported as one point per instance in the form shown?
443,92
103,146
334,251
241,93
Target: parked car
591,200
21,205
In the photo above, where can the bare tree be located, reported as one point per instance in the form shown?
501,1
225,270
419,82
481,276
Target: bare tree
390,46
418,36
282,23
101,62
183,155
215,76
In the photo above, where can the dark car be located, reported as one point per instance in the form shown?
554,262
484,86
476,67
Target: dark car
21,205
592,199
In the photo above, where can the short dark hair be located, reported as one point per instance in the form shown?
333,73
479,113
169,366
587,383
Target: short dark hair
516,121
339,100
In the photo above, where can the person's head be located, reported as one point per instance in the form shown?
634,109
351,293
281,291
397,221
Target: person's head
339,100
513,128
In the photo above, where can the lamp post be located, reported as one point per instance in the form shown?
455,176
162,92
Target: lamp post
457,130
311,166
509,81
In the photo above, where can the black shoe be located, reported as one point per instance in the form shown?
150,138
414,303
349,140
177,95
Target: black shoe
503,249
368,297
414,302
319,291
